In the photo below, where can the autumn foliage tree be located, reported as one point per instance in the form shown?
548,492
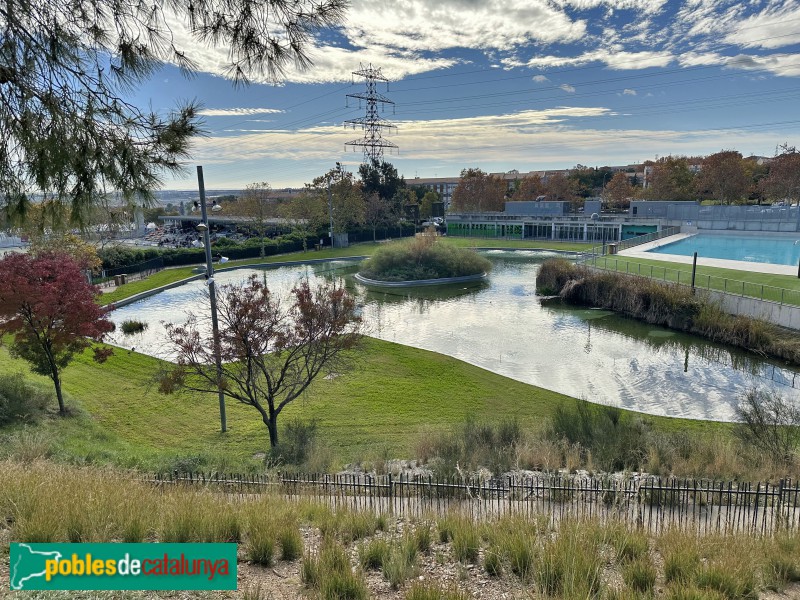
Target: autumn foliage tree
783,181
670,179
477,191
49,308
619,191
723,176
529,188
270,352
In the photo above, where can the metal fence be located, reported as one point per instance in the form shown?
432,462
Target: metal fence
599,258
648,503
599,251
142,269
747,289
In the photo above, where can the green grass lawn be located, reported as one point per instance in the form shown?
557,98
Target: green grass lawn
396,393
172,275
753,284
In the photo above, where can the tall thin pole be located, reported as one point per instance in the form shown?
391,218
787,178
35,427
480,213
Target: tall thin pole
330,210
212,293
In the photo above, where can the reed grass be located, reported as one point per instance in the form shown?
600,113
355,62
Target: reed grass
666,304
43,502
422,257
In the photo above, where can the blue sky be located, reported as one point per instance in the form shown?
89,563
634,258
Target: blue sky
508,84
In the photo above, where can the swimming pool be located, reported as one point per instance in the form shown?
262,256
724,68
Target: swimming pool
776,250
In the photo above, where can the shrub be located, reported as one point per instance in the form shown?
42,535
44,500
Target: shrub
616,440
330,573
20,399
733,584
770,422
291,542
422,258
373,554
129,326
433,591
492,562
400,562
296,443
640,574
466,541
554,274
423,537
680,565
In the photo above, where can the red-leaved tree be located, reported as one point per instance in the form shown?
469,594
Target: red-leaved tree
50,309
270,353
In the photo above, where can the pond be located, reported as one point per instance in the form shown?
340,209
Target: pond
501,325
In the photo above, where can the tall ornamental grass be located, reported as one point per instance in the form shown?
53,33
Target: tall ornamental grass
422,258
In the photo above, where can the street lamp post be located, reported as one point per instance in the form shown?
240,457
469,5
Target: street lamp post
212,293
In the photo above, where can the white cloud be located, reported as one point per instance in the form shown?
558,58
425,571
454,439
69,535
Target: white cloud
422,25
639,6
628,92
542,139
617,60
540,79
420,138
783,65
775,27
237,112
570,89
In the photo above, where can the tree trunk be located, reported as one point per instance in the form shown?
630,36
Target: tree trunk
55,376
62,410
272,426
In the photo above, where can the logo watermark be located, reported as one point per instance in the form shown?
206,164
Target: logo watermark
123,566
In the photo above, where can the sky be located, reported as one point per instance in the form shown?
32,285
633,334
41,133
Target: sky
502,85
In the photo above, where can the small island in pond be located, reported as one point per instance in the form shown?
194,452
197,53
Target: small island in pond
422,261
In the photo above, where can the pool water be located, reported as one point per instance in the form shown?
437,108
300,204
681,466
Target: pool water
776,250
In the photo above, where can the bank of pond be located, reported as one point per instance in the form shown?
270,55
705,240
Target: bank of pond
670,305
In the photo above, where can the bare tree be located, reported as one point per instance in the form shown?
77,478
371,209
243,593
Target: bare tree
256,206
770,422
377,213
270,354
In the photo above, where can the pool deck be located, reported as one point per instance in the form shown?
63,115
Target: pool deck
642,252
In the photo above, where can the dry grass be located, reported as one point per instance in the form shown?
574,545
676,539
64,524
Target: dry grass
570,559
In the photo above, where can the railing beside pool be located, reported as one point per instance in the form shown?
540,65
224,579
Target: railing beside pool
614,247
748,289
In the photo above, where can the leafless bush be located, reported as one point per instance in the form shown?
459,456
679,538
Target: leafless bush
770,422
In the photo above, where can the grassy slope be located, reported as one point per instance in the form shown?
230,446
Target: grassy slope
383,406
396,393
669,271
171,275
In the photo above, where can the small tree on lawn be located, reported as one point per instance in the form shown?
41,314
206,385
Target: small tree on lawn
50,309
270,353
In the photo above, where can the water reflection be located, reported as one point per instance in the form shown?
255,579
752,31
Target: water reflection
664,340
502,326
